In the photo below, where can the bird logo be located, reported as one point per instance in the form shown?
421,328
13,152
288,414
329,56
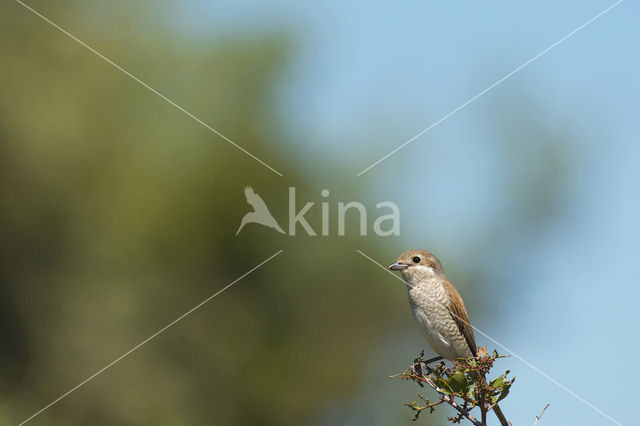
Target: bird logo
260,213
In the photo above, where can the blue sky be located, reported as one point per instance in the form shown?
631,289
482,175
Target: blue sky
367,77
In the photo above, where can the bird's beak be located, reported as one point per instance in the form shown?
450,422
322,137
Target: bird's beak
398,266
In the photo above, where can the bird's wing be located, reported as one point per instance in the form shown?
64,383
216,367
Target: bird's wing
459,314
254,200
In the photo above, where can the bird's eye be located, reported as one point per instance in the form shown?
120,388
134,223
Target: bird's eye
416,259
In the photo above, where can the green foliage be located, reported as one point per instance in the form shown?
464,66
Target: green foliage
465,380
118,213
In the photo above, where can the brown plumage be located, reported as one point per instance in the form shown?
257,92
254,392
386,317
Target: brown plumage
459,314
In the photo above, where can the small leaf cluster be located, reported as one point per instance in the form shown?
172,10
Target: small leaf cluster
466,380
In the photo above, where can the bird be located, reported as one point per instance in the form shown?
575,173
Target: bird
438,308
436,305
260,213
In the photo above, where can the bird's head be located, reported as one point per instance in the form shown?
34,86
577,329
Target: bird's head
417,265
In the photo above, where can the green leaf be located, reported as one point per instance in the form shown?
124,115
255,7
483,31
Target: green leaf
459,383
504,391
444,386
500,381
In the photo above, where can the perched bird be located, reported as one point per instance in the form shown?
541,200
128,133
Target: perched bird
436,305
438,308
260,213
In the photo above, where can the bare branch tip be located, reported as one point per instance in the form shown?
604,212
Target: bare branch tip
539,416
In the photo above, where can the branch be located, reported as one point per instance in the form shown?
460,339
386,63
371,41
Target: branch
449,399
465,380
538,417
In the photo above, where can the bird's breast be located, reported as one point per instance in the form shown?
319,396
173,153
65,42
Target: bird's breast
430,308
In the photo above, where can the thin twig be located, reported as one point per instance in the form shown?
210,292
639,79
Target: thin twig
480,380
448,399
538,417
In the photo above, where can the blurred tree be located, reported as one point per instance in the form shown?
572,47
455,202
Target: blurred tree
118,213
